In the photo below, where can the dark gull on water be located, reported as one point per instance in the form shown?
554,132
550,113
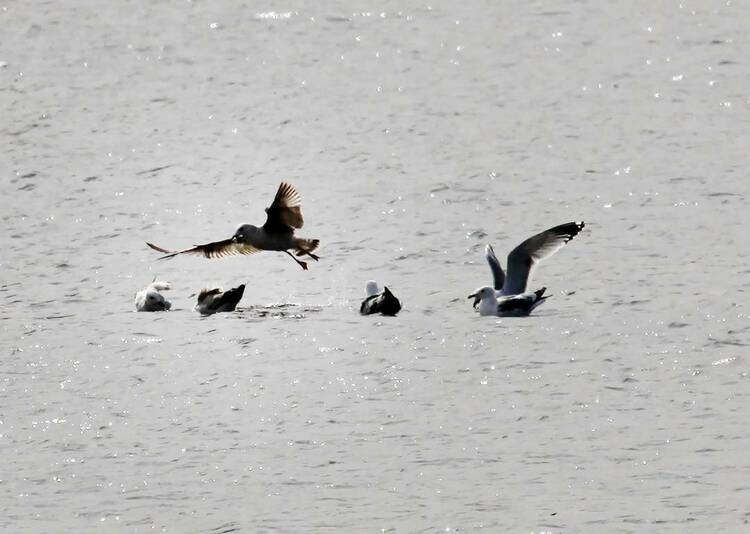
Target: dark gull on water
376,302
217,300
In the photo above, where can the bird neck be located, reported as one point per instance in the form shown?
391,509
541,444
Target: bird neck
488,305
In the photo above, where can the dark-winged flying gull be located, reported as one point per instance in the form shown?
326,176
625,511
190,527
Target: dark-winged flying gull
283,216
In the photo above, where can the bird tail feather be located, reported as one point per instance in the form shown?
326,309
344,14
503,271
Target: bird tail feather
305,246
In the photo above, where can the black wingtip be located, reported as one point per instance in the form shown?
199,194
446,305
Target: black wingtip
570,230
239,291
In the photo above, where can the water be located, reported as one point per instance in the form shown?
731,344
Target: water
415,135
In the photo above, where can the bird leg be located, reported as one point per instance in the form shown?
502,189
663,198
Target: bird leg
301,252
301,263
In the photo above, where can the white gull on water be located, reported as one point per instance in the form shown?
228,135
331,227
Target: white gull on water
283,216
149,299
509,296
510,306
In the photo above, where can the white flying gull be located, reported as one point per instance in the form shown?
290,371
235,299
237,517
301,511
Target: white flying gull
149,299
376,302
524,258
283,216
217,300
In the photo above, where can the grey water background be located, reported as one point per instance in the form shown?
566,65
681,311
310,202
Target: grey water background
415,134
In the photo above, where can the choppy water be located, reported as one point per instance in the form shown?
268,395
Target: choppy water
415,135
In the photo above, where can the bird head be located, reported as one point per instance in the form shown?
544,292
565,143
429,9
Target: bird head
243,232
372,288
156,302
480,294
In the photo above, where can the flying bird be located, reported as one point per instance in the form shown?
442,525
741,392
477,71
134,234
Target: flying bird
217,300
376,302
524,258
283,216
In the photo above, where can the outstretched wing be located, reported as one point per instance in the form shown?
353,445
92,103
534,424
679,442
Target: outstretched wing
217,249
229,299
528,254
498,276
285,213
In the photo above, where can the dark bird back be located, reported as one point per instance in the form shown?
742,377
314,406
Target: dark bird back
384,303
215,301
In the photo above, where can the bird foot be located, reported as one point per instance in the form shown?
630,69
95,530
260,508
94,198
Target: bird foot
299,262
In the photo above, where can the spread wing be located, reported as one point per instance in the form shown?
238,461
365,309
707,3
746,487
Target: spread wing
285,213
528,254
498,276
217,249
229,299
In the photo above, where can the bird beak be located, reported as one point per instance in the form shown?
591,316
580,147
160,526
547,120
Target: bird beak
476,299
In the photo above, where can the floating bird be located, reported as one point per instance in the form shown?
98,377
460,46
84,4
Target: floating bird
376,302
512,306
523,259
149,299
282,217
217,300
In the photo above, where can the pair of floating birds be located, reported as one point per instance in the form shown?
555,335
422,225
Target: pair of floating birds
213,300
283,217
508,296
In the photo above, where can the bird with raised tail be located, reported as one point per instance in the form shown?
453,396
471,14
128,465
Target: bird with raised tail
217,300
283,216
384,303
512,306
521,262
150,300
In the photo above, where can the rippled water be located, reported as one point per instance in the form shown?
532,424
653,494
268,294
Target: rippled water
415,135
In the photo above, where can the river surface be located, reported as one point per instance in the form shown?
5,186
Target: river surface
415,134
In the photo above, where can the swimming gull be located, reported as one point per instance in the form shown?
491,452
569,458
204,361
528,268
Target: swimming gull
376,302
217,300
511,306
149,299
525,257
283,216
